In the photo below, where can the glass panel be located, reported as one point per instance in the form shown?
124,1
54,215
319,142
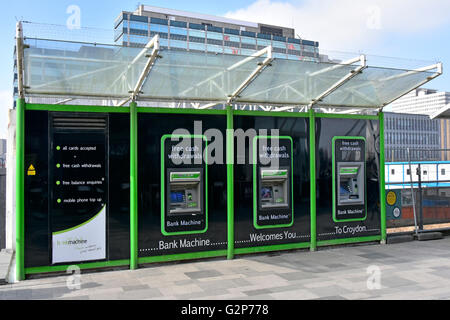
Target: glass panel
196,76
231,38
197,46
265,43
197,33
159,28
178,44
139,25
248,40
69,69
293,82
375,87
278,44
78,69
215,35
180,31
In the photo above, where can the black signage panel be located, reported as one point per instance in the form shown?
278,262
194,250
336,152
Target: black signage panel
184,207
272,188
349,179
78,197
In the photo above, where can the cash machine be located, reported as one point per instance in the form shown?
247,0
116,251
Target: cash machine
349,179
184,186
274,188
185,192
272,182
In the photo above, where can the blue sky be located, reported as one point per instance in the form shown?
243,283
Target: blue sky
412,29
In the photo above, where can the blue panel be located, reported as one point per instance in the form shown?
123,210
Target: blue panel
231,31
264,36
196,26
139,18
215,29
248,34
292,40
180,24
159,21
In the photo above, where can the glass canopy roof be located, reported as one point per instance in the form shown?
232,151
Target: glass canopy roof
68,69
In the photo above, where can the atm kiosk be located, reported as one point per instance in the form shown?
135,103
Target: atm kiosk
272,187
349,179
351,183
185,192
184,186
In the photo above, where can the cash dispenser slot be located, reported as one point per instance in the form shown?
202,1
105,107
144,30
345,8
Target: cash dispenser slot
185,193
351,183
274,188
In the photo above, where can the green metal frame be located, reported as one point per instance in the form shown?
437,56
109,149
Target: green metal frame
333,178
255,183
312,178
20,189
230,181
163,185
133,186
134,110
82,266
382,181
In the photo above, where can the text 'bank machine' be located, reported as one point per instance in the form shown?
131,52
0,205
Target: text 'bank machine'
349,179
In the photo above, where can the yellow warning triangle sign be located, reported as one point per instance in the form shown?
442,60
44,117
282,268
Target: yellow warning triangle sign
31,170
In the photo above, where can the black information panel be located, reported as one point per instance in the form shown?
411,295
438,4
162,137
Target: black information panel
361,139
349,179
184,208
273,182
262,225
79,195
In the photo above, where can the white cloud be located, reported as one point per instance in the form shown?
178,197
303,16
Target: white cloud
348,24
6,102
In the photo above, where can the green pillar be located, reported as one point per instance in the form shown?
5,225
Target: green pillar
133,188
20,198
382,180
312,169
230,182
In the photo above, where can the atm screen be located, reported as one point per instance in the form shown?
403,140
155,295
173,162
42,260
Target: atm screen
266,193
177,197
345,187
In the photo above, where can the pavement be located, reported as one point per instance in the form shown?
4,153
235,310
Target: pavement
5,262
411,270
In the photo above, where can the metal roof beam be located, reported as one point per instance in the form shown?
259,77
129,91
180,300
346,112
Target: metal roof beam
254,74
19,57
154,43
336,66
439,71
341,82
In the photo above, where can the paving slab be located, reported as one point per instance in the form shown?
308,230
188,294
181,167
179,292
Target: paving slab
409,270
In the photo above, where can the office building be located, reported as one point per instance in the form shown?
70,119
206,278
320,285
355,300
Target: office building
2,153
421,101
414,131
181,30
